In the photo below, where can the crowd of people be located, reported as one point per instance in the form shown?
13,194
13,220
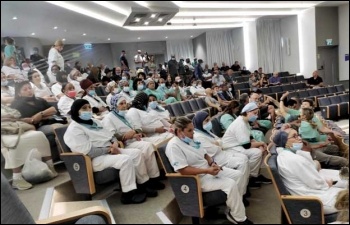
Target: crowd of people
97,124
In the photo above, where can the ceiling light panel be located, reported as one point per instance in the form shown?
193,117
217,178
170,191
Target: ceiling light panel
156,16
210,20
187,27
246,5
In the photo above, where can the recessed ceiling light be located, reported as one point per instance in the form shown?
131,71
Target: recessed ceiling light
55,28
84,34
153,15
108,39
191,35
166,37
160,19
14,18
65,30
63,39
146,23
137,20
33,33
139,38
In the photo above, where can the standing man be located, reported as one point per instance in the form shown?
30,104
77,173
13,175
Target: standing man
198,72
173,67
123,61
138,60
182,70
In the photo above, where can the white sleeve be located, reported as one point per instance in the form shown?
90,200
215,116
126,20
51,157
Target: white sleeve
63,106
242,133
133,117
56,90
76,139
108,124
53,56
207,146
176,157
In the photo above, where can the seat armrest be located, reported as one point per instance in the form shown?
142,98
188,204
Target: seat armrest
74,216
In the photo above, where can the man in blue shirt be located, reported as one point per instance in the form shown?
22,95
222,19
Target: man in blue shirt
275,79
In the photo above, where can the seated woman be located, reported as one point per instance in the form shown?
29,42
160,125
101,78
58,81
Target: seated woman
152,126
162,96
264,82
324,151
12,71
188,157
40,89
212,145
342,205
295,156
65,103
229,115
75,78
99,107
56,89
7,92
116,123
36,111
112,88
138,85
126,91
87,136
156,110
15,154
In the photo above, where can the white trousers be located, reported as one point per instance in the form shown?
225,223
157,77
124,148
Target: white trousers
15,158
130,163
239,163
254,158
156,139
225,181
147,150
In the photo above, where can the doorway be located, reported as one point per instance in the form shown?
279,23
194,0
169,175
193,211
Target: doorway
328,64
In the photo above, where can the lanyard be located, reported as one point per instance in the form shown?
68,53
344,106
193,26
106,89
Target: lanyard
122,119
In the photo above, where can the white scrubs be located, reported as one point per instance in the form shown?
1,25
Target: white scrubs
182,155
238,134
64,105
55,58
56,90
225,158
302,178
143,120
115,125
94,103
130,163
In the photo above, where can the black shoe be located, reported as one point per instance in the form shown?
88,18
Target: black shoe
253,184
263,180
245,202
133,197
232,220
247,194
145,188
155,184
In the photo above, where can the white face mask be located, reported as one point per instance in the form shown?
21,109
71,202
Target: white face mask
230,89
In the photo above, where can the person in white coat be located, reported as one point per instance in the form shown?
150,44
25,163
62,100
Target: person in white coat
154,109
87,136
99,107
237,138
143,122
116,123
55,57
66,101
212,144
188,157
295,157
75,78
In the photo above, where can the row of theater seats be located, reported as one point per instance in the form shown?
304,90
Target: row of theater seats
188,108
334,107
285,79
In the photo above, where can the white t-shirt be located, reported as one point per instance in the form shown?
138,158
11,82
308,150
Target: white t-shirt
56,89
81,139
139,58
218,80
182,155
198,90
41,91
55,58
64,105
237,134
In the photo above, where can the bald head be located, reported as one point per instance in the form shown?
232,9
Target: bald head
315,73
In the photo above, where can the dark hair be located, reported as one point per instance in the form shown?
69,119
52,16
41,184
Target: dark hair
233,104
31,73
309,101
152,95
180,123
59,68
291,102
18,87
59,77
134,84
9,40
64,86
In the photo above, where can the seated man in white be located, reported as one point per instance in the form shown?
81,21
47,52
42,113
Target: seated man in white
116,123
188,157
197,89
212,144
237,138
143,122
299,173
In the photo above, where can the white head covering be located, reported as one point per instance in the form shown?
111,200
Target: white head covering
249,107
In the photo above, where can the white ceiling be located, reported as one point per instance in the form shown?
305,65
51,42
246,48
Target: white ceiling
74,18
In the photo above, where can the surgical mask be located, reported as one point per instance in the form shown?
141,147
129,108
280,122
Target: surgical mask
253,118
193,85
153,105
85,115
230,89
4,83
92,93
72,94
186,139
116,90
121,113
199,85
208,126
297,146
124,78
140,87
156,80
126,89
162,85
